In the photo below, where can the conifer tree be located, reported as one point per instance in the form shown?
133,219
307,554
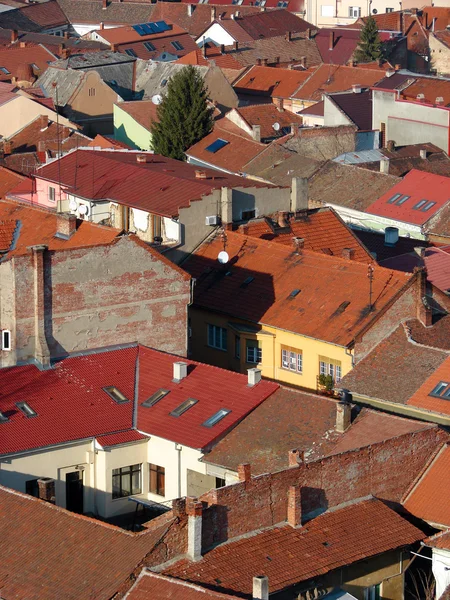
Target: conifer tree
184,115
369,47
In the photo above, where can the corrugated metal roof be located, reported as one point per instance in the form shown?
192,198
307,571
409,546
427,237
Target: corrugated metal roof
353,158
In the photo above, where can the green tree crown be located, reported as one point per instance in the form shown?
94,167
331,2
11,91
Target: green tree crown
369,47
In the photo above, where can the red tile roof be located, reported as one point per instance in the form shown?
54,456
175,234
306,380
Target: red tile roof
45,14
266,115
84,410
7,231
101,141
357,107
321,229
60,545
271,81
439,540
418,186
437,262
335,539
14,59
431,88
336,78
160,186
38,226
423,398
272,23
341,291
158,587
295,6
234,29
435,336
429,499
143,112
224,61
8,181
336,46
214,388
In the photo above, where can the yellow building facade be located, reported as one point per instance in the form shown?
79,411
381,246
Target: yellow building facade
283,356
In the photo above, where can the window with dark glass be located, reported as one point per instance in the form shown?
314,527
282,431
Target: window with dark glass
126,481
157,480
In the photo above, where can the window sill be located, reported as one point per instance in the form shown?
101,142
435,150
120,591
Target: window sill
126,497
291,371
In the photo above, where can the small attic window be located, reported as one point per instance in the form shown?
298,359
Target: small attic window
154,398
184,406
115,394
3,418
5,71
218,416
26,409
441,390
294,293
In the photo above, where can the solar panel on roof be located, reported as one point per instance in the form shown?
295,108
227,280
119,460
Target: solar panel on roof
151,28
138,29
163,26
148,28
217,145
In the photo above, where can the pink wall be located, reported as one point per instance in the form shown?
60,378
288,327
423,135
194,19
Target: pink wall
41,194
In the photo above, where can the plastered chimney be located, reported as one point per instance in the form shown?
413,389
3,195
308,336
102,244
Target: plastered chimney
179,371
424,311
343,416
260,588
299,194
195,525
256,132
253,376
384,165
190,10
41,351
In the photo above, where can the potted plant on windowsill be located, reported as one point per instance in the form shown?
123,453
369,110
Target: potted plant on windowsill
325,384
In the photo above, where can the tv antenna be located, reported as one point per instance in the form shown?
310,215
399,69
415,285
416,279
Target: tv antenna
370,270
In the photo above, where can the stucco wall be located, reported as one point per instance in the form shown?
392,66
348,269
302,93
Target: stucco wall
216,34
440,55
129,131
20,111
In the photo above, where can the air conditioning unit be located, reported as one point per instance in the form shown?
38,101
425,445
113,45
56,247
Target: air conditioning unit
212,220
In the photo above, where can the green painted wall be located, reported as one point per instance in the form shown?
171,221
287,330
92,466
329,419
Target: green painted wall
127,130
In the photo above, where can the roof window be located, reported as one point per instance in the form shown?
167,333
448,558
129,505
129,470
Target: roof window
164,83
131,52
441,390
26,409
218,416
428,206
154,398
3,418
217,145
402,200
149,46
5,71
247,282
394,198
184,406
177,45
294,293
419,204
115,394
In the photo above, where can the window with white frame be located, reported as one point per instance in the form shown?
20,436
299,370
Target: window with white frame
389,10
217,337
6,339
327,10
354,12
329,366
254,352
292,359
51,193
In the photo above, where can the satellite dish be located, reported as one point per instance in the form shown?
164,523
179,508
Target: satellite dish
73,205
83,209
157,99
276,126
223,257
375,11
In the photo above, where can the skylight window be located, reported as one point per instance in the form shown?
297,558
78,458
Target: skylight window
131,52
164,83
294,293
402,200
394,198
218,416
184,406
428,206
3,418
419,204
247,282
26,409
149,46
177,45
217,145
441,390
5,71
155,398
115,394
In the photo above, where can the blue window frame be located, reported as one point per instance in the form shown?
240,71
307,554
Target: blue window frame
216,146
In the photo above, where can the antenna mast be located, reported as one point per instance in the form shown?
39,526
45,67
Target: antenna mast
370,270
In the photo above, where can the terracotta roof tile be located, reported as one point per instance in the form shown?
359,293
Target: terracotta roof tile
321,229
59,545
429,499
115,13
278,270
332,540
46,14
377,375
197,57
101,141
295,6
13,60
7,231
336,46
419,187
271,82
439,540
437,262
436,336
423,398
431,88
336,78
143,112
158,587
266,115
272,23
122,437
8,180
235,30
443,36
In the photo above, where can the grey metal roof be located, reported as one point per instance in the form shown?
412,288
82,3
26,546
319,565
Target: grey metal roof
67,81
93,59
363,156
150,76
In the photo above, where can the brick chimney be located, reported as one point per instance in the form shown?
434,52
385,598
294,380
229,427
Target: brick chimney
245,472
256,132
7,148
296,457
294,506
14,36
104,4
279,104
390,146
141,158
200,174
194,511
66,225
288,36
299,194
179,371
43,121
348,253
424,311
343,416
65,53
41,351
260,588
46,489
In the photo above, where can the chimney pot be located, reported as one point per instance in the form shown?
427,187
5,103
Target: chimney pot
294,506
331,41
46,489
296,457
245,472
348,253
343,416
260,588
299,243
14,36
423,153
190,10
179,371
44,121
390,236
384,165
253,376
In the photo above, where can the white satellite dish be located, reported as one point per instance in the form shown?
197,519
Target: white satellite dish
83,209
73,204
223,257
276,126
157,99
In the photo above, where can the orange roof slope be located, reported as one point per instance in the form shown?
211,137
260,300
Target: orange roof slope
9,180
143,112
322,231
39,226
12,59
429,499
337,78
426,397
320,296
431,88
289,555
266,115
197,57
270,81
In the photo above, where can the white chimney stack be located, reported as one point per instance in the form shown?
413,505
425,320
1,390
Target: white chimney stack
343,416
423,153
179,371
260,588
384,165
195,516
254,376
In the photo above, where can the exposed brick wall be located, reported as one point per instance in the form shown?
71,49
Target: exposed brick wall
384,470
103,295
